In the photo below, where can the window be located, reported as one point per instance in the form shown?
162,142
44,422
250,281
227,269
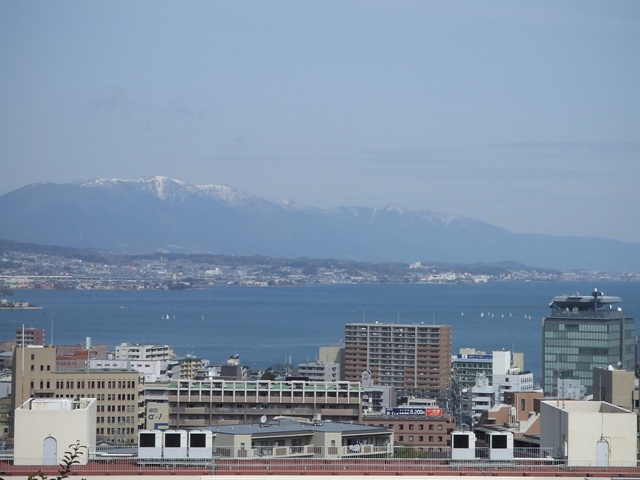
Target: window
460,441
498,441
197,440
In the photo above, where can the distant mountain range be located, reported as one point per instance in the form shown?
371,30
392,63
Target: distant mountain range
158,214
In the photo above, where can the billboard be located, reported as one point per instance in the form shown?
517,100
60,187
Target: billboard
157,416
414,411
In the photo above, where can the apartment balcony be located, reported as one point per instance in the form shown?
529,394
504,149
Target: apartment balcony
338,412
189,410
194,422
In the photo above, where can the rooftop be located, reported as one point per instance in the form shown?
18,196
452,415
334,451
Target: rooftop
288,426
578,406
597,300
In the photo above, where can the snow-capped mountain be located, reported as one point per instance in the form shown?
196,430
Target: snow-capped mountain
161,214
172,190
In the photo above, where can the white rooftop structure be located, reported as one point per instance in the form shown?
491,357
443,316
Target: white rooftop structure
45,428
589,433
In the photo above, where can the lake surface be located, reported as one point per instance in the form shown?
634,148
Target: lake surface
265,325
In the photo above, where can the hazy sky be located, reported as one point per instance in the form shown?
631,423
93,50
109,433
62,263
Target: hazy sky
523,114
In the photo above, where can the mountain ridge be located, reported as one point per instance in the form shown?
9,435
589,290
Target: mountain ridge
159,214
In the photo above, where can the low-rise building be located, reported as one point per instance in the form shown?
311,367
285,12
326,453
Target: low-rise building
46,428
426,429
152,370
29,336
186,368
120,407
333,354
466,366
506,376
290,438
377,398
98,350
320,371
483,395
517,415
194,403
128,351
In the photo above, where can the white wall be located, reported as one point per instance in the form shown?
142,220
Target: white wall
36,421
573,428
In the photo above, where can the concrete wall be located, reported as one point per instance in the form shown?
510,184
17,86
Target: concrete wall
573,430
59,422
614,386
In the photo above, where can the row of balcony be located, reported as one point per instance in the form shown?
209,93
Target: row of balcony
186,399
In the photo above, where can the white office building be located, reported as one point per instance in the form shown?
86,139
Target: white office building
128,351
320,371
153,370
505,378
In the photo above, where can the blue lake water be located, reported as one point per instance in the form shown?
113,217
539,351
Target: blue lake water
265,325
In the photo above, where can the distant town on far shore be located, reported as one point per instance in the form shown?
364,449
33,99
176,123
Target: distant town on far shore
46,267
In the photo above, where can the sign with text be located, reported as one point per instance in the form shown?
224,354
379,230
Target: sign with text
414,411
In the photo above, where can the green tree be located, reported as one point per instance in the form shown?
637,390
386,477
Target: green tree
70,458
407,451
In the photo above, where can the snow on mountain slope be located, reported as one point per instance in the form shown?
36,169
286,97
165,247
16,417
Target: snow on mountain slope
172,190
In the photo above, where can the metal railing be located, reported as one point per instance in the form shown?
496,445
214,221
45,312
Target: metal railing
350,466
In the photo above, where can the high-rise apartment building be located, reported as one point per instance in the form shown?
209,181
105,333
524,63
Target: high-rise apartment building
582,332
408,357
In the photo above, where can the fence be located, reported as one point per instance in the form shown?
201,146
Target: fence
298,466
403,461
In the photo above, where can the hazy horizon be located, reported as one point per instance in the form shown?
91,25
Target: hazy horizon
523,115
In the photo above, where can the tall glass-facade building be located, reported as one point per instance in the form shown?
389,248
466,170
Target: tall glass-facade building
582,332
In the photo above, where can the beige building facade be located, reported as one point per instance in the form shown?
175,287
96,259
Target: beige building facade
318,439
616,386
119,403
194,403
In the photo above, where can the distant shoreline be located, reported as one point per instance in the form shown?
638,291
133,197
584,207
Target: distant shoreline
21,305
